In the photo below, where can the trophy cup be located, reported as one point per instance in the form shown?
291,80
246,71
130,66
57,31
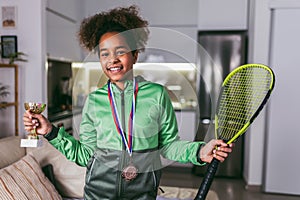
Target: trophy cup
32,139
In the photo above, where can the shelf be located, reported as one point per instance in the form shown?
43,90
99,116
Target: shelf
8,104
16,95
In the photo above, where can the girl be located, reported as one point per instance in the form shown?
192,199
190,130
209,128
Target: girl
129,122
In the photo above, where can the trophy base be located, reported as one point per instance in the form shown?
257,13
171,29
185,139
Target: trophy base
31,143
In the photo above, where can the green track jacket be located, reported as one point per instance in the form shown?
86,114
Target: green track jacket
101,150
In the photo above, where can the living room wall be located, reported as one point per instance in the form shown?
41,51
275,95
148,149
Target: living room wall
30,32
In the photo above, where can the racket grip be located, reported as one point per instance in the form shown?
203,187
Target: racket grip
207,180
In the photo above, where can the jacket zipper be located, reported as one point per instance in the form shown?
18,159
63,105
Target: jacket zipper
155,180
123,147
91,169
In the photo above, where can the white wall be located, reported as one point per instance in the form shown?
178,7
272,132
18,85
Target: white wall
33,39
281,162
30,31
259,34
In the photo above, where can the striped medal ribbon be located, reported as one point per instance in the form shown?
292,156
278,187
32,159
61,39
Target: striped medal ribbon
129,172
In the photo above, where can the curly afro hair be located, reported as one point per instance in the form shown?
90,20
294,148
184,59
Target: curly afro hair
122,20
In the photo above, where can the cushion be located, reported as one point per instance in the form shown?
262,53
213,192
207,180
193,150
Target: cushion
7,155
69,177
24,179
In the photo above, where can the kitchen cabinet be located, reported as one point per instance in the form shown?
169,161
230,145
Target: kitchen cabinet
76,124
62,38
281,172
62,19
159,13
171,45
169,13
173,29
186,120
67,8
223,15
172,24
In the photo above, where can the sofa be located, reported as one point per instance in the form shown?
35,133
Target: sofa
44,165
44,173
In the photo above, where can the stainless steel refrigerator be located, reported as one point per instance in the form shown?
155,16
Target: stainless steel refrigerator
219,52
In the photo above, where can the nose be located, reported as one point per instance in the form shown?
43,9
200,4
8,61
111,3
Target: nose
113,58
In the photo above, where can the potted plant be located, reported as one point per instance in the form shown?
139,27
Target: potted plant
9,49
17,57
3,93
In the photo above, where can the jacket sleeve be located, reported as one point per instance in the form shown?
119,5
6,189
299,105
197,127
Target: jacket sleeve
171,146
78,151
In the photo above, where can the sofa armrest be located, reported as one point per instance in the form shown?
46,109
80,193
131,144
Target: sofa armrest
10,150
69,178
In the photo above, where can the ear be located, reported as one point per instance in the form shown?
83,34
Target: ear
135,57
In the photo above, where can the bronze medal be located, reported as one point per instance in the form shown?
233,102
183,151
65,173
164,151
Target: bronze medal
129,173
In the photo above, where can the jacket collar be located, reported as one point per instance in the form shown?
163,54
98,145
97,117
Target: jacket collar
128,84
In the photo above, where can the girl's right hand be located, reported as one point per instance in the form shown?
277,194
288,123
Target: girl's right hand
37,121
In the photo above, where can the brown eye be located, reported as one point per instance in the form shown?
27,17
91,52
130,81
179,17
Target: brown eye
121,52
104,55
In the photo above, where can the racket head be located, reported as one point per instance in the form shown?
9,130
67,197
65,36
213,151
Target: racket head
244,93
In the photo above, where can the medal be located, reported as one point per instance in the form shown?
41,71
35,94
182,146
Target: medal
129,172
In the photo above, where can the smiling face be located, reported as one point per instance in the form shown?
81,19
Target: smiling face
116,57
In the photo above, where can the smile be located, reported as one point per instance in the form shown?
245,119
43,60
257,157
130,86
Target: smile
114,69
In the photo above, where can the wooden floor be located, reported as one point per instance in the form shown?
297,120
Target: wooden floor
227,189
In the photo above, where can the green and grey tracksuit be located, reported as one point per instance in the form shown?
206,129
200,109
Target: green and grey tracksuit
101,150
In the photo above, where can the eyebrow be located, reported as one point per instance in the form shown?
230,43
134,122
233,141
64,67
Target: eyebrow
118,47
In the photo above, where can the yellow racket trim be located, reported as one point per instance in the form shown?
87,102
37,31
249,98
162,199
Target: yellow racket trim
244,93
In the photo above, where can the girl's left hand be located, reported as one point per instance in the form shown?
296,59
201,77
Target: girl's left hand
215,149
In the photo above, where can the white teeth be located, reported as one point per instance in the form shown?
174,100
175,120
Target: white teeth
114,68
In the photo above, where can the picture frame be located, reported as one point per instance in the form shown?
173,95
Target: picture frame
9,17
9,45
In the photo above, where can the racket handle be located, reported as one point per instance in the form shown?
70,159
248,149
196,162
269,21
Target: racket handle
207,180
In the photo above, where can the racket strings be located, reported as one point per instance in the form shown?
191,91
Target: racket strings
241,97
